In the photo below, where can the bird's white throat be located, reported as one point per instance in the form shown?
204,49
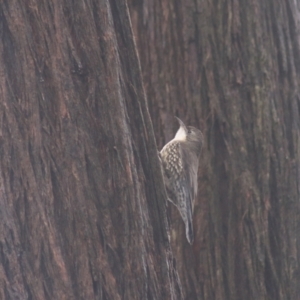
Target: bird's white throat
180,134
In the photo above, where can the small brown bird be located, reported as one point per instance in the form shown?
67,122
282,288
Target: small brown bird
180,160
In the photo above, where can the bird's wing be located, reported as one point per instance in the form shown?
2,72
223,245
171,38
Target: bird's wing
190,169
186,182
191,180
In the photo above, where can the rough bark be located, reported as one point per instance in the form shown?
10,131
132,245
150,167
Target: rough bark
82,211
231,68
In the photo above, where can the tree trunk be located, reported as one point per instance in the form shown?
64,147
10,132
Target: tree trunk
82,200
232,69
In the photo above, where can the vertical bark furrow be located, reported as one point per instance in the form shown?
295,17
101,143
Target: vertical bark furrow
82,191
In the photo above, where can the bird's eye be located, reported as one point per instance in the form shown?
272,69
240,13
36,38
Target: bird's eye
189,131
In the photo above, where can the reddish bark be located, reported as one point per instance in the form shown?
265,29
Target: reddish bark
82,198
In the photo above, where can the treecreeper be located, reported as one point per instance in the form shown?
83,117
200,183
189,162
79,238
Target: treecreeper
180,160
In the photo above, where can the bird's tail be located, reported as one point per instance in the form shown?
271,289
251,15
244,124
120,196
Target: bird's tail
186,213
189,232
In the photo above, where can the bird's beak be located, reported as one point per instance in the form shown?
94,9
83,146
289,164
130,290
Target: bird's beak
181,124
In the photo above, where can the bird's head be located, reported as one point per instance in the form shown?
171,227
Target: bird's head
189,134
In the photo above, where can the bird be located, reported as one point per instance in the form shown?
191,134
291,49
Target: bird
180,160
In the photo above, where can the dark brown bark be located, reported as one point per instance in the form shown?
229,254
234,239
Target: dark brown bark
82,211
231,68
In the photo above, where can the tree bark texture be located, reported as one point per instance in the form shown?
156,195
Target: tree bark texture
232,69
82,211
